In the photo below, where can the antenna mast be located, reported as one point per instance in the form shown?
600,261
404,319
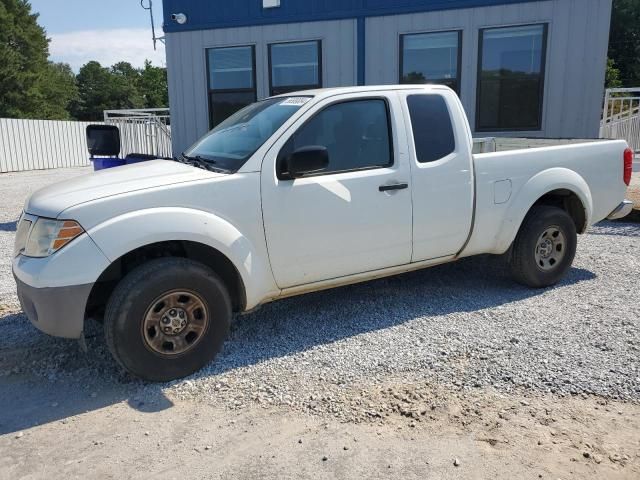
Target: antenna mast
149,7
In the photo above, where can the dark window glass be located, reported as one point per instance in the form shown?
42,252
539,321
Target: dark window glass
231,144
231,72
356,134
225,104
431,58
294,66
511,78
432,128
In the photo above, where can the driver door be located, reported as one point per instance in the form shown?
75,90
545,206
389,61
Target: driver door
353,217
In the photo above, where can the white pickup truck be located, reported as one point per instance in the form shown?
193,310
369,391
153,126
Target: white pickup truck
295,194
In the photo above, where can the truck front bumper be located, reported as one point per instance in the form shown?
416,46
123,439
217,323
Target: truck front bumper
621,210
56,311
54,290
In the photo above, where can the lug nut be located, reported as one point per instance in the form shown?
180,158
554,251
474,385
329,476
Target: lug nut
165,320
172,312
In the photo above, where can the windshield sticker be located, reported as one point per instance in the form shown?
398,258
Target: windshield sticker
296,101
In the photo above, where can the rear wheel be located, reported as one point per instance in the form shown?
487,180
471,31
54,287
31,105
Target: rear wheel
544,248
167,319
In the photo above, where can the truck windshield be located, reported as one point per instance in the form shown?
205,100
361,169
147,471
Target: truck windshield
228,146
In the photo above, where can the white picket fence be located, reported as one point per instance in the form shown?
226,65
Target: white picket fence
44,144
41,144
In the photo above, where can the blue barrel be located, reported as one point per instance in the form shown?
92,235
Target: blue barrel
100,163
138,158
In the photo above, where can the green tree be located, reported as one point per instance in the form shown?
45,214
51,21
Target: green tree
153,86
624,41
124,91
59,92
24,50
94,92
612,78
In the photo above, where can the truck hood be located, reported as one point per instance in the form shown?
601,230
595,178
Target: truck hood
52,200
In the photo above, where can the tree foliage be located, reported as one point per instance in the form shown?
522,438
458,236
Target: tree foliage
119,87
59,92
23,60
612,78
153,86
624,41
33,87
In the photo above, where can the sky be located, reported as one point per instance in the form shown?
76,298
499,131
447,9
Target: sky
108,31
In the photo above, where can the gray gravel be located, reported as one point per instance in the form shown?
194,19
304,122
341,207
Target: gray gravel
464,326
14,189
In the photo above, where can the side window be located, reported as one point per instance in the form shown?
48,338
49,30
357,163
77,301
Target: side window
356,133
432,128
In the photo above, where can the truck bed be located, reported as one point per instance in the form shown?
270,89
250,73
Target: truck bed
504,144
509,180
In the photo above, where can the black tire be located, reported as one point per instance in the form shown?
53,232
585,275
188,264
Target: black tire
135,298
539,273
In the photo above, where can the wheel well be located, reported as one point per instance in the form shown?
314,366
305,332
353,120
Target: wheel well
219,263
570,203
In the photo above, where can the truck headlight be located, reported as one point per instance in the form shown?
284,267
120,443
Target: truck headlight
48,236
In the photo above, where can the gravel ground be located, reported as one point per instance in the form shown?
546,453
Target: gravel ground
463,326
634,190
14,190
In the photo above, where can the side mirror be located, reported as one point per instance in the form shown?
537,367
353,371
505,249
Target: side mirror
103,140
307,160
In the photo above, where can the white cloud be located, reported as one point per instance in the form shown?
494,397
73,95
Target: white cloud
107,47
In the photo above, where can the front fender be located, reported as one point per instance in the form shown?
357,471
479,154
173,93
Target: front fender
125,233
535,188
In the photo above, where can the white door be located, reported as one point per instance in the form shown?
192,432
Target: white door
442,174
351,218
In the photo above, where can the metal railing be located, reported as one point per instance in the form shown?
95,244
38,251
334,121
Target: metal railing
145,131
621,116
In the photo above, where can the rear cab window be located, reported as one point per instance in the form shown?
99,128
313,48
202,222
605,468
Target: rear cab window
433,134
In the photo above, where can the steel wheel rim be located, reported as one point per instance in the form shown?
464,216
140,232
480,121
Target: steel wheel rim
175,322
550,248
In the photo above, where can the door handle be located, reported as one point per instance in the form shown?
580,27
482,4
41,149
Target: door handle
396,186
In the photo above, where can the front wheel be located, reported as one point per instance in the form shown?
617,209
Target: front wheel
167,319
544,248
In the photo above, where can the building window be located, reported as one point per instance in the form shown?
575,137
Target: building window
431,58
511,78
232,81
294,66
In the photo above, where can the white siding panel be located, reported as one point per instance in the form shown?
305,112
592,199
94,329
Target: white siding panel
44,144
574,76
576,56
41,144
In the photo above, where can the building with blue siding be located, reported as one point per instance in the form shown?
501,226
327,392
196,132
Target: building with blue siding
526,68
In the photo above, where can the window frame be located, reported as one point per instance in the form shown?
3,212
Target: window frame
280,157
458,65
543,75
272,89
212,91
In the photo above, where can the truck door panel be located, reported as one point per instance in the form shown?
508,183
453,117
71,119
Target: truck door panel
339,222
442,176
